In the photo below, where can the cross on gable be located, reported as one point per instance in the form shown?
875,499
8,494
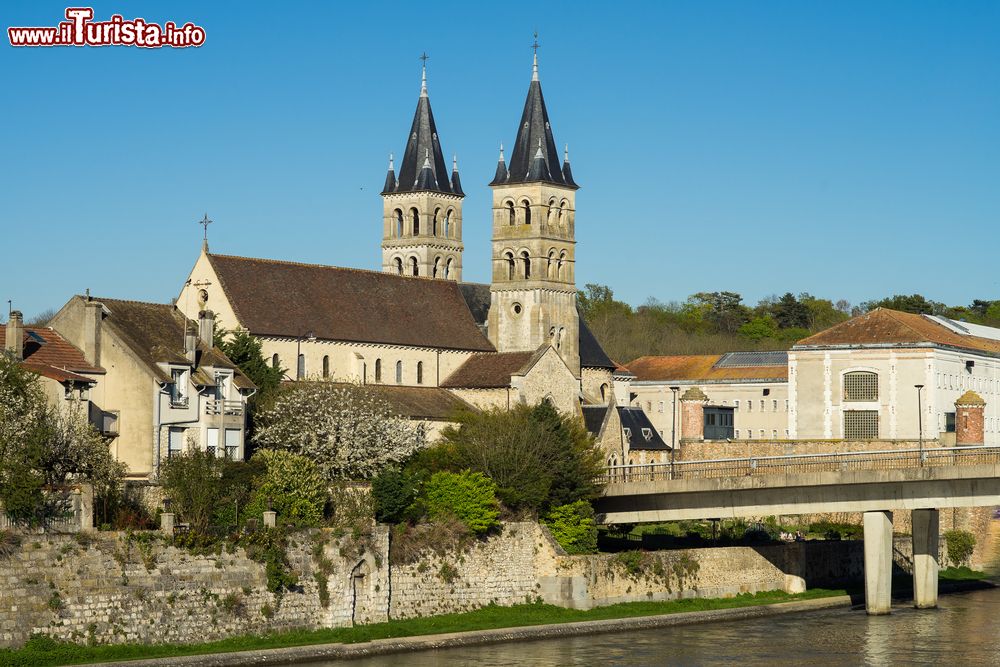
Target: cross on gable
205,222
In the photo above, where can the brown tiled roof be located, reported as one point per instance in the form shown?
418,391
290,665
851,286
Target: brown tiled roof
488,371
700,368
52,356
287,299
431,403
155,333
884,326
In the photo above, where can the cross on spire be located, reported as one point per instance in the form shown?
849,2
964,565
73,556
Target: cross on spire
205,222
423,74
534,66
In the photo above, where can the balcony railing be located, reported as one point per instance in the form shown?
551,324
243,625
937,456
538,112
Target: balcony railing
223,407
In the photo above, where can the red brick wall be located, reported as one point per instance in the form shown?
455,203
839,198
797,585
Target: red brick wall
969,425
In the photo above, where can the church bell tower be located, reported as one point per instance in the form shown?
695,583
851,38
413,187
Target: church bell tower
422,208
533,289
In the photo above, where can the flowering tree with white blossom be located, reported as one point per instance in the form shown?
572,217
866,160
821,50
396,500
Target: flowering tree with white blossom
349,431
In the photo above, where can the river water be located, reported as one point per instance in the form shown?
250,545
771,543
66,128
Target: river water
963,631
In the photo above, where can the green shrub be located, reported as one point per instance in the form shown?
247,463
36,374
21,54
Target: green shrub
393,491
574,527
191,481
471,496
294,486
960,545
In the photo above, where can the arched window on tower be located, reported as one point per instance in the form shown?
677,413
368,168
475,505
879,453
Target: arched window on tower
447,224
551,268
434,222
551,211
526,264
527,211
413,267
326,365
562,210
448,267
437,267
378,370
562,266
399,265
511,216
399,223
399,372
604,392
420,372
415,219
509,259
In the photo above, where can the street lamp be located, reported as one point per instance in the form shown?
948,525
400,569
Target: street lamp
300,369
920,422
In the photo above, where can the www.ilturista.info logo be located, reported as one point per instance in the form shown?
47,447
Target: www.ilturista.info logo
80,30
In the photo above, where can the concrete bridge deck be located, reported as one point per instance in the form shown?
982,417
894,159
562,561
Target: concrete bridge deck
874,483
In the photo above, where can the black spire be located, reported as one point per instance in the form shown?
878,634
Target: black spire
501,176
534,141
567,172
390,179
456,182
423,146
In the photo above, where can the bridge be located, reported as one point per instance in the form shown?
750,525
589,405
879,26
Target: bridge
874,483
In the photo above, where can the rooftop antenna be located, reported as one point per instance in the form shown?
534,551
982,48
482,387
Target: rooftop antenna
205,222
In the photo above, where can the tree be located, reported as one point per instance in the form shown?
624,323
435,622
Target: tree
471,496
537,457
790,313
192,481
292,486
349,431
759,328
45,445
245,351
913,303
724,310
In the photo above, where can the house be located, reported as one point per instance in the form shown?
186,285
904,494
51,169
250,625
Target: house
625,434
892,375
67,378
747,393
164,386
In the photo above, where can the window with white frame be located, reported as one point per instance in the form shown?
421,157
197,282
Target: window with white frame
860,424
178,388
762,405
749,405
786,405
762,434
861,386
662,404
175,442
212,441
232,443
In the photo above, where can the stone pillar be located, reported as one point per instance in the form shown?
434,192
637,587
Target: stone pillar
86,507
693,414
270,519
925,525
167,523
878,562
969,410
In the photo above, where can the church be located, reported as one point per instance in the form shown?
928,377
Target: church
415,328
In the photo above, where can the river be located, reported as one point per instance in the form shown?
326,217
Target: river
960,632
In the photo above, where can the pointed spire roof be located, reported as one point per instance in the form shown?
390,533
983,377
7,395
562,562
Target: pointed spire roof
390,179
423,149
535,141
456,182
567,172
501,176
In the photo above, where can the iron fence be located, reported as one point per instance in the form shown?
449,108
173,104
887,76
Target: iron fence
802,463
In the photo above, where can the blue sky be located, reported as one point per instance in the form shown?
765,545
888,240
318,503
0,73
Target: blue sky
848,149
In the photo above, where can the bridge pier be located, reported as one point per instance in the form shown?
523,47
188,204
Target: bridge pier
878,562
925,558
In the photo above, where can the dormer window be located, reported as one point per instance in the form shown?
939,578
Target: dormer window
647,433
628,433
222,385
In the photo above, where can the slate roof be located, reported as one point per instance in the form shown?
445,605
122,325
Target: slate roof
887,327
635,420
535,157
50,355
701,368
592,355
593,417
489,371
154,332
287,299
423,147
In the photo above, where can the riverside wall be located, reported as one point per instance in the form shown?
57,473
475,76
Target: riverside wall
114,588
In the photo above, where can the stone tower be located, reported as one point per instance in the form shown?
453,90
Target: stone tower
533,289
422,209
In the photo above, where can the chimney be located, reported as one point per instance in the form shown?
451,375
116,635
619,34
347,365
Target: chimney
93,313
206,327
14,341
190,343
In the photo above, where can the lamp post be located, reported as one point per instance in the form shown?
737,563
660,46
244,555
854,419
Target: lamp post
920,422
299,366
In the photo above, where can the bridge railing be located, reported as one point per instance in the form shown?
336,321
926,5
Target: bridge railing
802,463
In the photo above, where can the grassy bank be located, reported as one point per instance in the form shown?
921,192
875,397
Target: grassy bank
42,651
